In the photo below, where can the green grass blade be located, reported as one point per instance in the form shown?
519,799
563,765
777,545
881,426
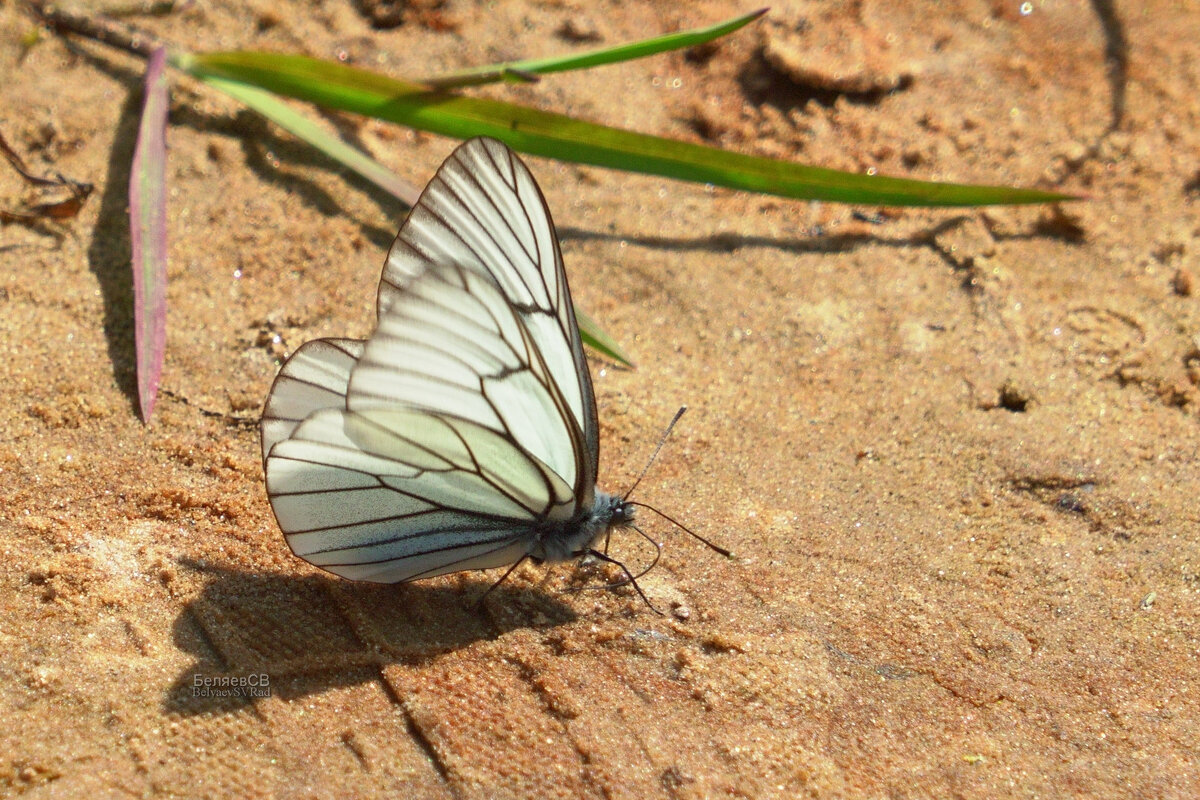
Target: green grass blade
595,337
303,128
593,58
544,133
300,126
148,234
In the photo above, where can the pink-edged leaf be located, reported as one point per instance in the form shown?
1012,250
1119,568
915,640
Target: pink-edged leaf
148,233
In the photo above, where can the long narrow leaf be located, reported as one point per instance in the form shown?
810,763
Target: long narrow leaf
592,58
595,337
544,133
148,234
303,128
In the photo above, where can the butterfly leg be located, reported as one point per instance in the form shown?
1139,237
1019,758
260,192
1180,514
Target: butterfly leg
629,576
503,578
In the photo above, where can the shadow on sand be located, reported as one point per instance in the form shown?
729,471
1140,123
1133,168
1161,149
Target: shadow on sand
299,635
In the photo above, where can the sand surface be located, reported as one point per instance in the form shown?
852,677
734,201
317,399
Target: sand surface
954,452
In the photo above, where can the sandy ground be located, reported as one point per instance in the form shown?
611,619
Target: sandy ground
954,452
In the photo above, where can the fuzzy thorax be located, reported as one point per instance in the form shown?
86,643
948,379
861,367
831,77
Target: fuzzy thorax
574,538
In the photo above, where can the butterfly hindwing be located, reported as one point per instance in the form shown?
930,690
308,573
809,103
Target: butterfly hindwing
397,494
315,377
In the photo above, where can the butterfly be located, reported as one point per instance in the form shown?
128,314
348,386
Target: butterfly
462,434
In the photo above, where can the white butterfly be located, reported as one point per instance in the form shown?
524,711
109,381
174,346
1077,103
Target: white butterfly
462,434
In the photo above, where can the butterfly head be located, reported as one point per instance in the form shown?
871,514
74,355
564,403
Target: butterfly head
612,511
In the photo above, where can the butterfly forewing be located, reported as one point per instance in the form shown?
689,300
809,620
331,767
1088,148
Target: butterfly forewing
483,212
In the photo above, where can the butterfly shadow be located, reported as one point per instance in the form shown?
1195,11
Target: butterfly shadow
254,635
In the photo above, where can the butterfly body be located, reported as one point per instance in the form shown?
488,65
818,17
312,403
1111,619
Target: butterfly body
578,536
462,433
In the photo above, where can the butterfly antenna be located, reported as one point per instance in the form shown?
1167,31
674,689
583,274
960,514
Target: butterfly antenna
683,528
682,410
